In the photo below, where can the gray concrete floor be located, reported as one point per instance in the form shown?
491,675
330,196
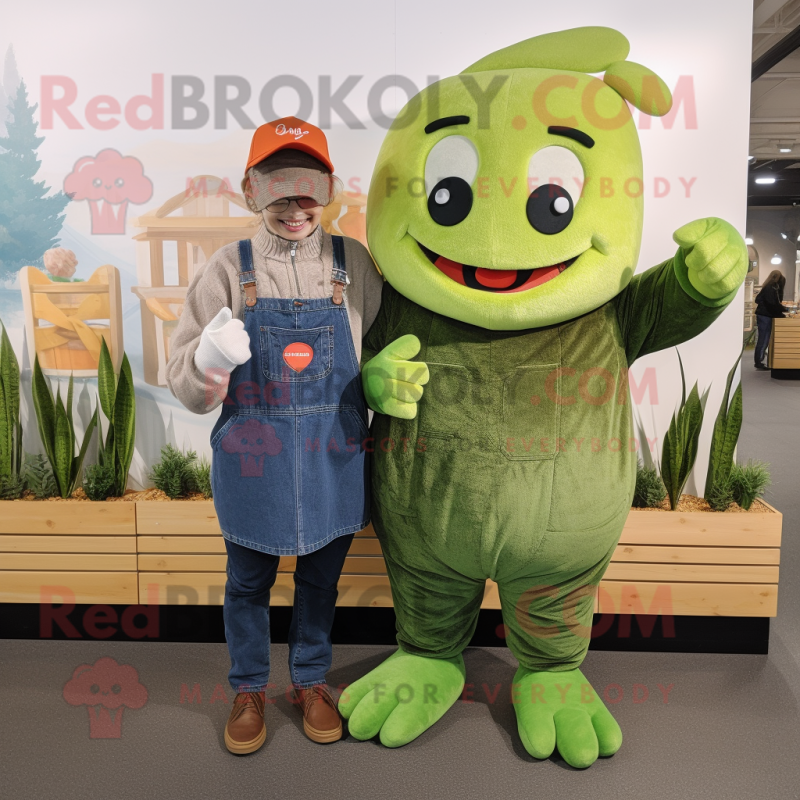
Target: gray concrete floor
730,727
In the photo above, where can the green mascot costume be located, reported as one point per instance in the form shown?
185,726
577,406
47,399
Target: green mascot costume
505,212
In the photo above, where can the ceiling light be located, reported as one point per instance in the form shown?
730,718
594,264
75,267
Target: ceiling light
751,158
785,149
748,240
776,259
784,236
765,180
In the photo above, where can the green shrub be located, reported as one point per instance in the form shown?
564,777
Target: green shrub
175,473
38,476
99,481
202,477
11,487
720,495
749,481
650,490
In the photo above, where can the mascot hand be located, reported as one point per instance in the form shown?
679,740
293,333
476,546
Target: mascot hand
224,343
392,383
715,256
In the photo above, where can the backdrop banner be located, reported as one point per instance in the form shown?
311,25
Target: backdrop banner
141,120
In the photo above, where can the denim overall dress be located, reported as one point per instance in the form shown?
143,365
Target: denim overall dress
289,471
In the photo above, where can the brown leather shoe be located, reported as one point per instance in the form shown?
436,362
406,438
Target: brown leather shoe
245,731
321,720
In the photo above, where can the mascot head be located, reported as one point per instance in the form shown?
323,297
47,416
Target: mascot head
510,196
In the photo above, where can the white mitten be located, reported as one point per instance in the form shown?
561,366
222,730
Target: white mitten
224,343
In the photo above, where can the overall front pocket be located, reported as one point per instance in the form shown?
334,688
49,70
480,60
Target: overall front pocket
529,426
292,355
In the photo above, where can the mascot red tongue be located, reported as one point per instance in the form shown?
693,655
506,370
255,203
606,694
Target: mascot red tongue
498,280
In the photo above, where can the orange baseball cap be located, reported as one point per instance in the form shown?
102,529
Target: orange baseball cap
288,132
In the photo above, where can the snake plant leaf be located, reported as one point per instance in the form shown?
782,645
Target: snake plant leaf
10,440
6,431
694,421
64,448
679,449
727,427
124,425
45,410
69,407
18,465
77,462
106,382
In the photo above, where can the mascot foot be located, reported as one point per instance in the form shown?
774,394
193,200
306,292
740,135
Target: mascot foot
561,709
402,697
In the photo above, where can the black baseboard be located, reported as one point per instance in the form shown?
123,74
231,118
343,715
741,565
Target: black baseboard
190,623
785,374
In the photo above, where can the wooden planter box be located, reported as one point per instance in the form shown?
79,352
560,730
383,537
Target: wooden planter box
698,564
695,564
171,553
72,551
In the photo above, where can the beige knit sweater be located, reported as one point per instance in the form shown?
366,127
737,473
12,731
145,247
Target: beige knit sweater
216,285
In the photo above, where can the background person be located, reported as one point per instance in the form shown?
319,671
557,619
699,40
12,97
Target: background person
768,307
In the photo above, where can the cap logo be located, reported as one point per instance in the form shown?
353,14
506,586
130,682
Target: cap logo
298,133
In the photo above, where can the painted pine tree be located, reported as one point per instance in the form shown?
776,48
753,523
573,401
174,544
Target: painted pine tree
8,86
30,221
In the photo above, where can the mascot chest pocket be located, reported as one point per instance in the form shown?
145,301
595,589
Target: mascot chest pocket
530,415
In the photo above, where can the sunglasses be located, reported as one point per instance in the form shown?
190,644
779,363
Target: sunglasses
303,202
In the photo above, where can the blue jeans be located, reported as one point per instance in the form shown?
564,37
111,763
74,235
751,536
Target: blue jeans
764,332
251,575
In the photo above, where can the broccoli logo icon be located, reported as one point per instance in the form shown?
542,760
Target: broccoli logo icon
253,441
108,181
106,688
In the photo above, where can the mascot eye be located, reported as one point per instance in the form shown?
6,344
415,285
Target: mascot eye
549,209
450,201
450,169
97,182
119,183
555,178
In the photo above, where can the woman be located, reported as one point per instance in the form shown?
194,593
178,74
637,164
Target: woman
272,329
768,307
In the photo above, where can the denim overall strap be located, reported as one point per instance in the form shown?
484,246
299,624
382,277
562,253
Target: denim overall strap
339,277
247,275
289,468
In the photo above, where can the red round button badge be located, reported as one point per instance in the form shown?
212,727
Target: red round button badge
298,355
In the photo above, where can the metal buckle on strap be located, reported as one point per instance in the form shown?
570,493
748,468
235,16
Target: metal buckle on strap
247,280
250,296
339,280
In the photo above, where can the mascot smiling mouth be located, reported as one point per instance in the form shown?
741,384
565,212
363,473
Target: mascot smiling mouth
495,280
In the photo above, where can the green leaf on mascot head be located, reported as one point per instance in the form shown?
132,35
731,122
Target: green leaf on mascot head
512,122
587,49
640,86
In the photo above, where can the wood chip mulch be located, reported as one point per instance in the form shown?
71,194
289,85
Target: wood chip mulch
129,497
689,502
